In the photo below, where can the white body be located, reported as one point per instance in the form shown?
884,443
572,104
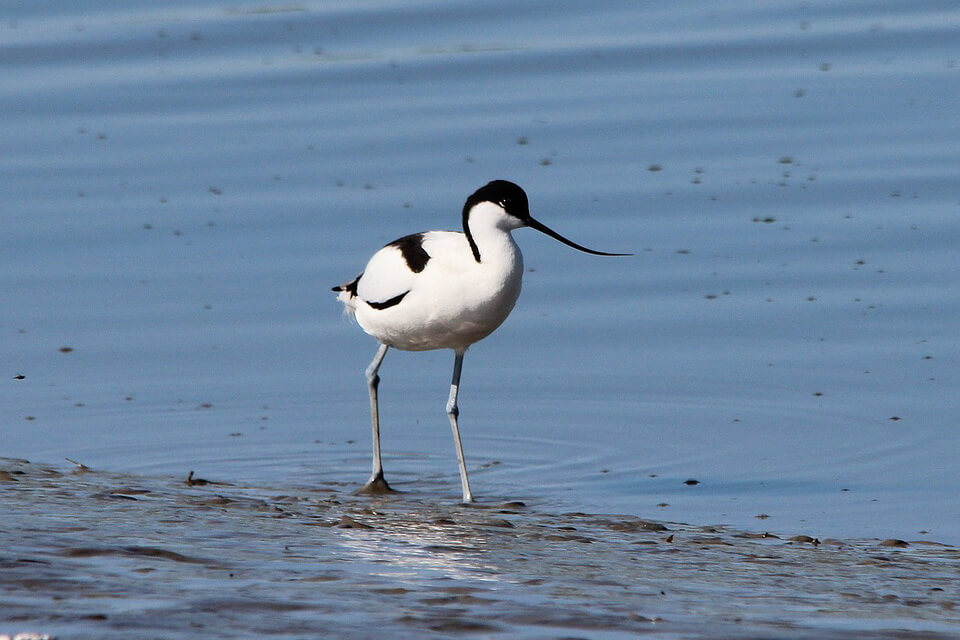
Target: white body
455,300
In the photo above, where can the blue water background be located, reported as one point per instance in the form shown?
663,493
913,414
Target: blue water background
180,185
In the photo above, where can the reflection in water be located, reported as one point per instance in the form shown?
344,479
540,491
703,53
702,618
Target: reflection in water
417,553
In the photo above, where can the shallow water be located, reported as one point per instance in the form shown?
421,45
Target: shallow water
155,557
183,184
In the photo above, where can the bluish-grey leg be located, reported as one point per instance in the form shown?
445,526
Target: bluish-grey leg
453,412
376,484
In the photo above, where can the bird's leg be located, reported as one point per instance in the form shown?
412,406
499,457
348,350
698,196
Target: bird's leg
376,484
452,413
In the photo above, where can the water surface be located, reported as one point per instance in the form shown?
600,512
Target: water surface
182,185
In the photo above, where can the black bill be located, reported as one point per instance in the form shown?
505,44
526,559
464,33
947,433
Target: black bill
539,226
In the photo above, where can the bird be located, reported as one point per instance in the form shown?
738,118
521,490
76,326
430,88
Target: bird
444,290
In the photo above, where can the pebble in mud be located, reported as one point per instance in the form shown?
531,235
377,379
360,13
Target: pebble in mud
893,542
751,534
193,481
498,522
635,525
346,522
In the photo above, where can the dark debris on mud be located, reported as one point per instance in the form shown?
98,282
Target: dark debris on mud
90,554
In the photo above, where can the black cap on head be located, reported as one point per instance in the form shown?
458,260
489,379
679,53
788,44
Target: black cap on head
508,195
513,199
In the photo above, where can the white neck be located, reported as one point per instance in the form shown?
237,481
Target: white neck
490,227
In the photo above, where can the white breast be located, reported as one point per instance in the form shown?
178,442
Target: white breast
452,303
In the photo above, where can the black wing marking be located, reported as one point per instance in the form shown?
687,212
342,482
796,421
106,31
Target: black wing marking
411,247
386,304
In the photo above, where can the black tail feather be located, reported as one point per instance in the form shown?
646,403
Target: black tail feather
350,287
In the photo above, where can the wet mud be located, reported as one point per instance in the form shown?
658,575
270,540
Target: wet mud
93,554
